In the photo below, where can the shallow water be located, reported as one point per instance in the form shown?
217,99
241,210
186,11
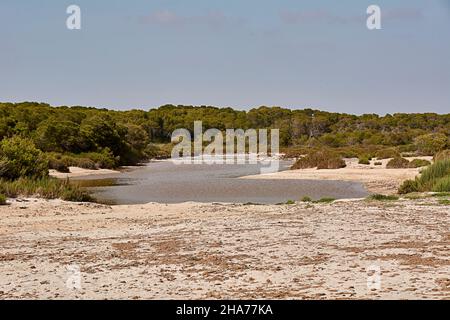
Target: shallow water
166,182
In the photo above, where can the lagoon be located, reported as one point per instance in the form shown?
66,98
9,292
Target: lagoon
165,182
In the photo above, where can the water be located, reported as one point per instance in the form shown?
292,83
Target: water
165,182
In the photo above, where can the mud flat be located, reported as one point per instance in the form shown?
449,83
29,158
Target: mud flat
192,250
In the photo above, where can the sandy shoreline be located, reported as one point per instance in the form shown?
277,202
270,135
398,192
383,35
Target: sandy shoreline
230,251
76,172
191,250
376,179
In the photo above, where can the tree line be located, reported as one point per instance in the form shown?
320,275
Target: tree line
112,138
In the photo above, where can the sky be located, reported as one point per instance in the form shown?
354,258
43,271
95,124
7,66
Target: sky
228,53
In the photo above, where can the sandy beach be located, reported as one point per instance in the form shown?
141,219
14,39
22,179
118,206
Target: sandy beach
376,179
349,249
76,172
191,250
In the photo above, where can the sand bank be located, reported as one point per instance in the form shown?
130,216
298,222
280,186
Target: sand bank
80,172
376,179
191,250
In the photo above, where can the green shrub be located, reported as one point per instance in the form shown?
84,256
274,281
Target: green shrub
364,160
409,186
58,165
382,197
387,153
84,163
306,199
48,188
432,174
397,163
435,177
87,160
154,151
429,144
2,199
442,155
323,159
414,196
325,200
20,158
104,159
442,185
290,202
441,194
418,163
407,148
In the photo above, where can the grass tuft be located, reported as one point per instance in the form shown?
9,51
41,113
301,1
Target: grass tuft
325,200
48,188
435,177
382,197
306,199
2,199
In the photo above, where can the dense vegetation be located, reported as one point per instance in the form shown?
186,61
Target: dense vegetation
35,136
126,137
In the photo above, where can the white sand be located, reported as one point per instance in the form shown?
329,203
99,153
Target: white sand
189,251
376,179
80,172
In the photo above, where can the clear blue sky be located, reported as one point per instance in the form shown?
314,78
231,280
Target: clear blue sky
238,53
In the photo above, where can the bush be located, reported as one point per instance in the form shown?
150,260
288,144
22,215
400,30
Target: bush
387,153
418,163
397,163
432,174
409,186
325,200
306,199
48,188
323,159
153,151
58,165
382,197
442,185
435,177
84,163
20,158
2,200
87,160
378,163
104,159
364,160
442,155
429,144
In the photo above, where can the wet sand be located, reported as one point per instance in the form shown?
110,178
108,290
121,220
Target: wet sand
226,251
